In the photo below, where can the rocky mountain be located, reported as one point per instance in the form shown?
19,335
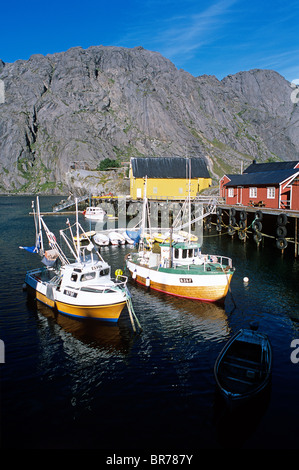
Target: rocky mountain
64,113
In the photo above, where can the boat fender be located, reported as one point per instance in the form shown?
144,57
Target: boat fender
242,235
243,215
257,225
231,230
147,282
281,243
259,215
134,274
281,231
118,272
257,237
282,219
219,219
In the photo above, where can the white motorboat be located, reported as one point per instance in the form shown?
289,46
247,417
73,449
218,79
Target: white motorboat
94,213
101,239
116,238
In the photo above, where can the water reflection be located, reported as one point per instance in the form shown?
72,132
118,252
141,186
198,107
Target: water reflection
109,338
236,426
207,319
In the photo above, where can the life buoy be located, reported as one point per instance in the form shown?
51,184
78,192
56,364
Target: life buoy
282,219
257,225
281,243
281,231
259,215
243,215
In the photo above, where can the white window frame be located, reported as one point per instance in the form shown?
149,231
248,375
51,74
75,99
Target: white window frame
230,192
253,192
271,192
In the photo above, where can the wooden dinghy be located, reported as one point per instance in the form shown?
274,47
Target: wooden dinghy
243,367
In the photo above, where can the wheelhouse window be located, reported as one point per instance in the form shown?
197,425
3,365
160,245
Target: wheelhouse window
271,193
88,276
252,192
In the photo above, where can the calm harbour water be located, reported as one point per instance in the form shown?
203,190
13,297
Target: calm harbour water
76,385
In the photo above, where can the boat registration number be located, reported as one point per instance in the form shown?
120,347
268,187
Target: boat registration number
70,293
186,280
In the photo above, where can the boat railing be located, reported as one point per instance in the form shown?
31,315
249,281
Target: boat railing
222,262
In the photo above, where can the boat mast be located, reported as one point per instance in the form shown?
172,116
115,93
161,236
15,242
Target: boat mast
40,234
143,213
189,198
77,227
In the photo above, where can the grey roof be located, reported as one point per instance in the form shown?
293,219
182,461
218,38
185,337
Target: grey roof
169,167
271,166
260,178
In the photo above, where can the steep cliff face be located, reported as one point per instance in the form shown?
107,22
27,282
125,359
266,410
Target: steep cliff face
76,108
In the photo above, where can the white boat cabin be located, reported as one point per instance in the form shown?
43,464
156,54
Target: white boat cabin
182,253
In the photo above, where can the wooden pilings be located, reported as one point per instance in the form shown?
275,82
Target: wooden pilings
259,225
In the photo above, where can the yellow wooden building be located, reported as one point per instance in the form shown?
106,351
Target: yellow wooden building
168,177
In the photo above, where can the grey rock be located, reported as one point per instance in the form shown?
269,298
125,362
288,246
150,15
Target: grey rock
86,105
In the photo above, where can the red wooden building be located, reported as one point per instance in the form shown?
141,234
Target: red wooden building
273,185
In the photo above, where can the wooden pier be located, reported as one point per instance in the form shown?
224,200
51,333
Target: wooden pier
259,224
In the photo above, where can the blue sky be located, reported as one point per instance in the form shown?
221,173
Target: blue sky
218,37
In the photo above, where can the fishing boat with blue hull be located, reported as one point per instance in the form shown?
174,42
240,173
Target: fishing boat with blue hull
80,288
243,368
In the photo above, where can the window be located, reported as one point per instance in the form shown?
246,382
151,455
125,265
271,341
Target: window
88,276
230,192
271,193
252,192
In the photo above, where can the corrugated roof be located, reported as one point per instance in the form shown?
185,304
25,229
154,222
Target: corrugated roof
260,178
169,167
271,166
